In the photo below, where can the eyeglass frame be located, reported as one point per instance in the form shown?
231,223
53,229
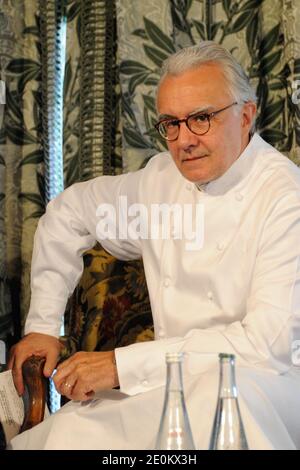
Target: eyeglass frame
208,117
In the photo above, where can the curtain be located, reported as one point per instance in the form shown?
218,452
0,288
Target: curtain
263,35
53,36
21,180
57,126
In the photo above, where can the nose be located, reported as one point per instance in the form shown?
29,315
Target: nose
186,138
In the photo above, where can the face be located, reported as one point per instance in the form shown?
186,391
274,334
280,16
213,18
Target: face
204,158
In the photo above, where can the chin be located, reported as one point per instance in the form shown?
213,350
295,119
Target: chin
196,174
196,178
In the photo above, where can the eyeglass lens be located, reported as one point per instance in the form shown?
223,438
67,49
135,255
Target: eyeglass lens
199,124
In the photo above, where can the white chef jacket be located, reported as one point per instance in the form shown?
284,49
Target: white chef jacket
239,293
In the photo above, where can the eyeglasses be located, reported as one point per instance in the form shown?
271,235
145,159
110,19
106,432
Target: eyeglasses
198,123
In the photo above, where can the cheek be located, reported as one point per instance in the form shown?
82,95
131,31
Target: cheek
231,137
222,149
172,147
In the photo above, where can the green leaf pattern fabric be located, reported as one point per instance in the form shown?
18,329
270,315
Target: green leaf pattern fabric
261,34
21,173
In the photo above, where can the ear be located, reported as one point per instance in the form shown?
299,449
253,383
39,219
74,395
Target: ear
248,115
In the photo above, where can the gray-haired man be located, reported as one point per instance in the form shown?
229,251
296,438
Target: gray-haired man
239,293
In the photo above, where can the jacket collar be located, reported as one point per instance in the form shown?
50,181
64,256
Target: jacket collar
237,171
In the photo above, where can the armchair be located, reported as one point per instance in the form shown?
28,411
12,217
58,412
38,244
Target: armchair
109,308
36,386
35,396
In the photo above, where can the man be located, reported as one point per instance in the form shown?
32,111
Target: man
238,293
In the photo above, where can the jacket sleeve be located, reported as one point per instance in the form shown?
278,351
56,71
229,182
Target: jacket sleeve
73,222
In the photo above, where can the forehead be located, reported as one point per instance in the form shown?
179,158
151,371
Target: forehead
204,86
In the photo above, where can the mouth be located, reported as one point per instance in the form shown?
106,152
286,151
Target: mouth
192,159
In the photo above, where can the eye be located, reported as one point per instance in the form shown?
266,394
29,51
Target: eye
200,118
171,124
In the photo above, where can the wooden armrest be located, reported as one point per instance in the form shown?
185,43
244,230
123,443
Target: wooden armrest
35,382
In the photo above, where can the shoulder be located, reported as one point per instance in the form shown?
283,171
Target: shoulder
159,172
277,170
160,163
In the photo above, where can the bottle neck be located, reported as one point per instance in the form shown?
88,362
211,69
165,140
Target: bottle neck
174,372
227,378
174,376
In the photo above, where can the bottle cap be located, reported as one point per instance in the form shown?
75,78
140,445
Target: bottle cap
231,357
174,356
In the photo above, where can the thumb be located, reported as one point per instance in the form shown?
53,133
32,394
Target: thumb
51,361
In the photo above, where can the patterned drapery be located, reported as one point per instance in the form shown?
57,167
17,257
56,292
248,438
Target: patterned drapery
21,156
97,80
263,35
52,35
30,168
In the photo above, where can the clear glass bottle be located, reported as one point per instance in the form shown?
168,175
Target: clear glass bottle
228,431
174,430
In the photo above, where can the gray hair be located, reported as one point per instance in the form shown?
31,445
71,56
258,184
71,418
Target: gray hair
208,51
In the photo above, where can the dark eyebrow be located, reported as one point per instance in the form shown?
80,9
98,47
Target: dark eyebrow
206,110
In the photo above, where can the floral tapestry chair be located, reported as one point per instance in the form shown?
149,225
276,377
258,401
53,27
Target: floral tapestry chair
110,306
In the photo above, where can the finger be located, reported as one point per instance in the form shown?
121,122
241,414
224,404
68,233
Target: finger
62,365
51,361
68,362
66,387
78,393
62,374
88,395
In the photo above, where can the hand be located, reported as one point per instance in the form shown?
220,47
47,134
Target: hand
85,373
36,344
